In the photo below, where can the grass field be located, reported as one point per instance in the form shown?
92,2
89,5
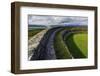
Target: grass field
77,45
81,42
33,32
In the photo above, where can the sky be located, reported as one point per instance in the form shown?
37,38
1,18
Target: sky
48,20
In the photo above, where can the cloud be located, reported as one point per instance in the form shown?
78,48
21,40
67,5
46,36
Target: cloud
56,20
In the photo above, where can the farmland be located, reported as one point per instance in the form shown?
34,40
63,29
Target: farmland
66,42
33,32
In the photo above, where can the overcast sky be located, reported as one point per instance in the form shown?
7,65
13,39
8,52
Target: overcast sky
56,20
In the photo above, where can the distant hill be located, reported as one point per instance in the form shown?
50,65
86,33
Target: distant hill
69,25
37,26
52,26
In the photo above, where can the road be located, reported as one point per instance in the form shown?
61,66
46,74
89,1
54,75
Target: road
45,50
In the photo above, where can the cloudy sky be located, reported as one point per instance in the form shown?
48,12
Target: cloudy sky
56,20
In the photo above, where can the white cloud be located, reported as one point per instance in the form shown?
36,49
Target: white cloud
55,20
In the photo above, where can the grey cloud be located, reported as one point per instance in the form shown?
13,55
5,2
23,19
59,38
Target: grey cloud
54,20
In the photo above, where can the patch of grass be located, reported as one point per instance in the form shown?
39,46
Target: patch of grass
60,47
81,41
75,45
33,32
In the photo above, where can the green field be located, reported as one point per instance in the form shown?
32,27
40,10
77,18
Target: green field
77,45
81,42
33,32
74,45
